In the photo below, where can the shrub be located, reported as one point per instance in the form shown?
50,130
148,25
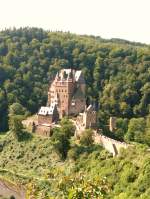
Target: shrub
61,143
87,137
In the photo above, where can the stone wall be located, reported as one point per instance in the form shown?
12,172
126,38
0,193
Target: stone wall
28,123
112,124
111,145
45,119
43,130
90,119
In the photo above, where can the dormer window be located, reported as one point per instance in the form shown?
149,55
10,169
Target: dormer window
73,103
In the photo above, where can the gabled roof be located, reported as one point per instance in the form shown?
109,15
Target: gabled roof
76,73
47,110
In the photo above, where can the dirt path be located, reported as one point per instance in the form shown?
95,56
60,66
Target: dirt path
7,189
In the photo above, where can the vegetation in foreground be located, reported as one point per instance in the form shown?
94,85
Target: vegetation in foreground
61,167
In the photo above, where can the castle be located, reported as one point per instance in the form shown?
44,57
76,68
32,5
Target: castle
67,91
66,97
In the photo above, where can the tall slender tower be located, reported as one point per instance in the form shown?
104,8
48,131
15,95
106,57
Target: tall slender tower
68,92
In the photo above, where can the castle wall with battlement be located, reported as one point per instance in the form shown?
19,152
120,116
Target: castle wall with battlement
43,130
111,145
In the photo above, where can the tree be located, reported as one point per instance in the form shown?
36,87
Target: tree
67,127
17,109
60,142
3,111
122,127
16,126
87,137
136,129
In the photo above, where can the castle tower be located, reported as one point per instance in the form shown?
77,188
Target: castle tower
112,124
69,86
90,117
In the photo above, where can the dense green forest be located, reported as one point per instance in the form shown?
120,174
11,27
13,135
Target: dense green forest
117,74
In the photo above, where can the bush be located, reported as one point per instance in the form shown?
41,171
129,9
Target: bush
16,126
61,143
67,127
87,137
74,152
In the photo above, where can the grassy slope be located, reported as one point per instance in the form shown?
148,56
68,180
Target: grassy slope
34,160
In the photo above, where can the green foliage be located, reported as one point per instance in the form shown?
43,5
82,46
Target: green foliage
87,137
138,130
61,137
16,126
116,71
93,171
117,75
78,187
3,111
16,114
121,128
74,152
67,127
17,109
60,143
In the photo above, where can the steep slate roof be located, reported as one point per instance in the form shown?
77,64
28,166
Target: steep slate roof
78,93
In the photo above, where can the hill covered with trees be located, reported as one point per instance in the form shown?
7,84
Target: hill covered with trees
117,74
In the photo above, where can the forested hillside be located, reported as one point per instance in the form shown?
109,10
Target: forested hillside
117,74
